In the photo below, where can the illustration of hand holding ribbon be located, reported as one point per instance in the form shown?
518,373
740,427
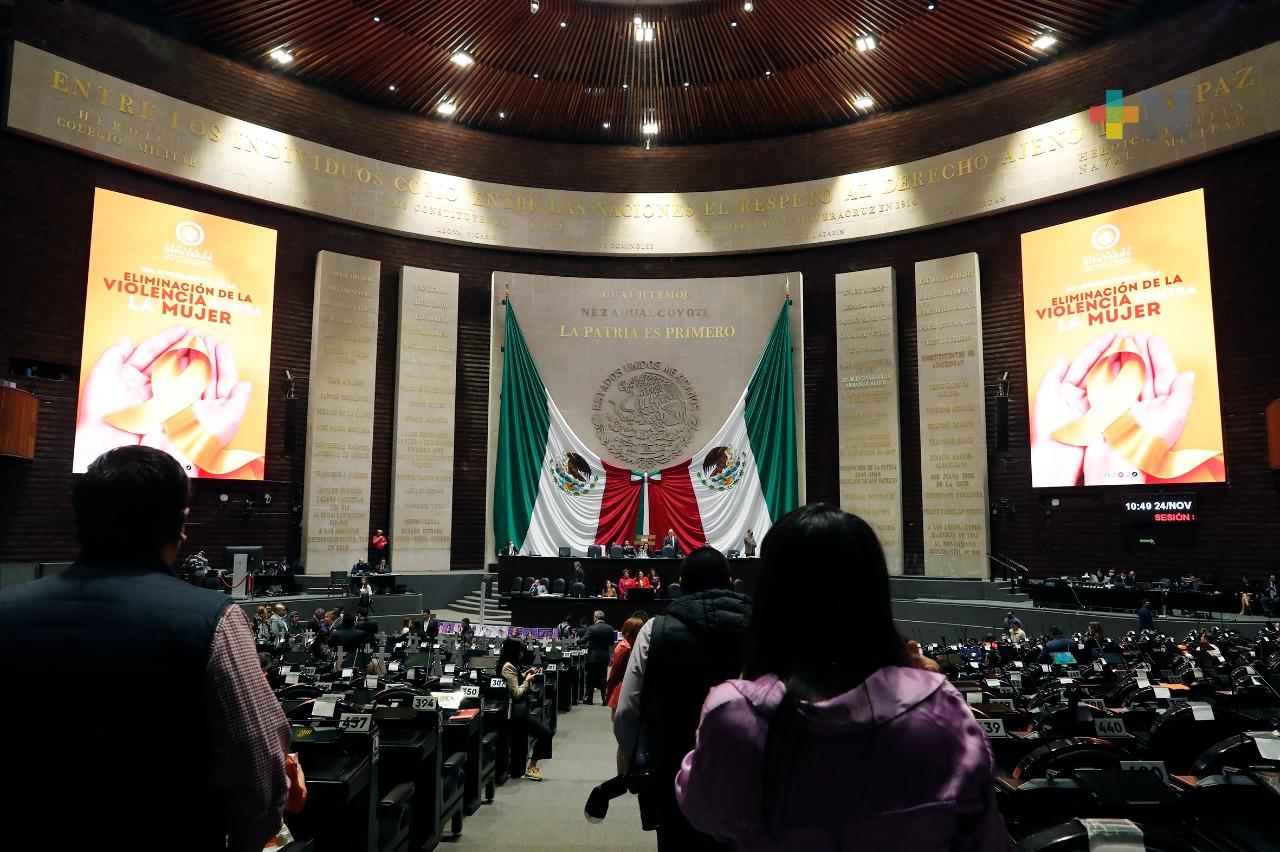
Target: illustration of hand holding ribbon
1114,414
176,391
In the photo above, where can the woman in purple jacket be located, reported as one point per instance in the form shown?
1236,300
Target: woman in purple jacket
836,745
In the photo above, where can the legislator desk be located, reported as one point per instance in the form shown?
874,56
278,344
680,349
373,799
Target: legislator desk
1069,595
550,610
599,570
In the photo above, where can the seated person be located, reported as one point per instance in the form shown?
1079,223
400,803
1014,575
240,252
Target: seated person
610,590
626,584
642,551
971,652
770,744
627,549
1017,636
1095,641
1057,643
383,567
360,569
538,588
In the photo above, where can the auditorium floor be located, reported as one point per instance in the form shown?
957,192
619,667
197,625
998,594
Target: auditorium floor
547,815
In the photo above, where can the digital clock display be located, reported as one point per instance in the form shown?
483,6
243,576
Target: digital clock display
1162,509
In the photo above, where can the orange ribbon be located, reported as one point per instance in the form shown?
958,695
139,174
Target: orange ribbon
1112,393
173,392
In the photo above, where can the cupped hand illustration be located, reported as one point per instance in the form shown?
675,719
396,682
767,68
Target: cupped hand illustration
1062,398
121,378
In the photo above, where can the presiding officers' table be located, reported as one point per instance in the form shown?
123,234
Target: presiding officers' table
599,570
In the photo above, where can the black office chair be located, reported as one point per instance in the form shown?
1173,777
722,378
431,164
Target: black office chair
545,583
564,552
615,552
578,590
668,552
740,586
557,586
674,591
593,552
517,585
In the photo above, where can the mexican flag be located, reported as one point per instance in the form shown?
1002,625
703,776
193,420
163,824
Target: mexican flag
747,476
552,491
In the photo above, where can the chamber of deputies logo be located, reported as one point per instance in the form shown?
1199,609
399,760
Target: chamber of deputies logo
1105,237
189,233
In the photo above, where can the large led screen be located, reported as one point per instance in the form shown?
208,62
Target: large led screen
1122,373
177,337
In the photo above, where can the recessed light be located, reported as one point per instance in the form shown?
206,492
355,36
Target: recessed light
606,125
931,6
865,43
564,23
624,85
534,6
282,56
686,84
392,87
461,58
502,115
446,107
733,23
377,19
649,128
1044,42
747,6
535,75
863,102
768,73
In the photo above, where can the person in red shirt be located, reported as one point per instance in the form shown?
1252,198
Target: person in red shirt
377,547
626,584
644,581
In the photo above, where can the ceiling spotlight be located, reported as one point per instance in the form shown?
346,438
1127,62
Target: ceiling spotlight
282,56
461,58
534,6
624,85
377,19
392,87
446,107
768,73
502,115
863,102
564,23
748,6
649,128
535,75
931,6
1044,42
644,30
733,23
865,43
606,125
686,84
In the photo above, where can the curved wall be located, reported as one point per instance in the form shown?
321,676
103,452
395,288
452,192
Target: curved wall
44,246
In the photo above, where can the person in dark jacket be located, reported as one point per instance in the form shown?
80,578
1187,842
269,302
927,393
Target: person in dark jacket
348,636
1057,643
1146,621
679,657
215,737
599,650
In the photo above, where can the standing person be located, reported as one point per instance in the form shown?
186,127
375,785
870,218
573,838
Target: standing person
618,670
915,769
366,595
1146,621
599,646
378,547
466,634
317,624
675,660
430,626
655,582
671,542
262,626
509,549
626,584
749,544
279,623
579,575
508,668
222,729
565,628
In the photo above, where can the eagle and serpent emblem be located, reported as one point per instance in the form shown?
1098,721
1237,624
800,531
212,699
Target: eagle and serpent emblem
723,468
572,474
647,415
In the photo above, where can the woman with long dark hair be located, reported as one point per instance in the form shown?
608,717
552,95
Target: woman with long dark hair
518,680
847,742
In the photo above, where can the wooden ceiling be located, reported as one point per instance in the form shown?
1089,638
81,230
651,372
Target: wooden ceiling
713,72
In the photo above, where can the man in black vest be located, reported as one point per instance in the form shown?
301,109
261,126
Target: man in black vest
599,649
189,751
675,661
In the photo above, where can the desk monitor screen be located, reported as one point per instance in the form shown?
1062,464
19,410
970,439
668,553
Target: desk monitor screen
1064,658
253,556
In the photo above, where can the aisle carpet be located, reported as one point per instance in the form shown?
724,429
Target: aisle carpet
531,816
